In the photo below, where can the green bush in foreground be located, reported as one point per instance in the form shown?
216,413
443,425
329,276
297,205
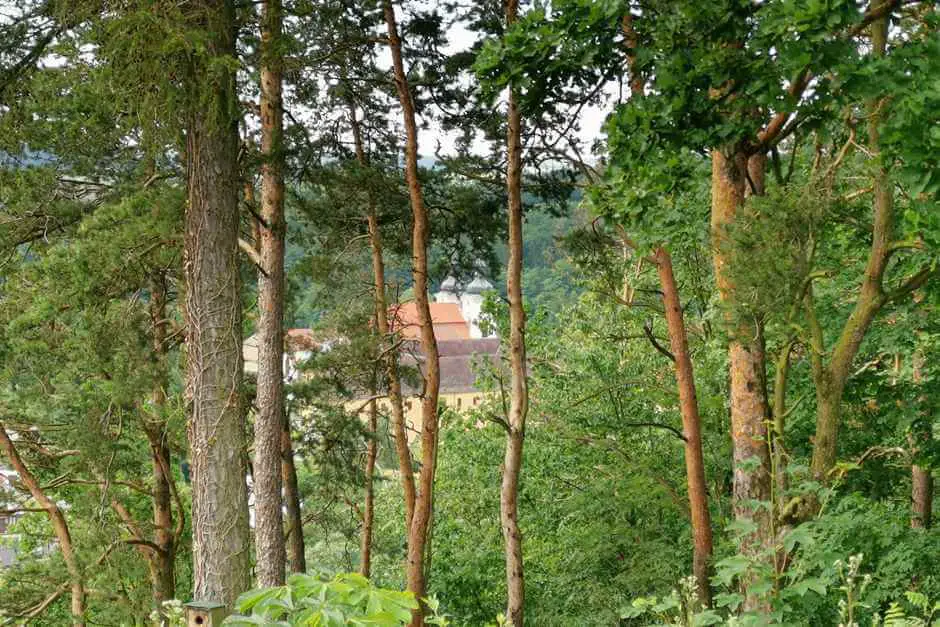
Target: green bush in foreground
346,599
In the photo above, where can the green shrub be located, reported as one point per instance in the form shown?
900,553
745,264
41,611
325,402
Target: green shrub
346,599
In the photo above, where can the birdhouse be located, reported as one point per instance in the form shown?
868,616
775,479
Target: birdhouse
205,614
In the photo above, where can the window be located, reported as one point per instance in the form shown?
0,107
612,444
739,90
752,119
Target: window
459,402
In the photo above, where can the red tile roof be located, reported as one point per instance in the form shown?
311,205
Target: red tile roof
446,317
300,340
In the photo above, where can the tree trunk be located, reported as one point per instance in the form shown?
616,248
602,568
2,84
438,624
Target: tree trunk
871,296
685,380
418,532
921,476
391,371
368,510
296,555
216,426
59,525
162,562
778,448
691,426
921,497
519,392
270,563
749,408
390,356
163,577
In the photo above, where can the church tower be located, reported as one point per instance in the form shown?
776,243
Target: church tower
469,298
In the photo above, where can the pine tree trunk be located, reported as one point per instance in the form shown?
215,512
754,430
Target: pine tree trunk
216,419
418,532
296,555
691,427
921,497
162,562
685,380
270,563
749,407
59,525
391,372
163,578
381,322
519,393
368,509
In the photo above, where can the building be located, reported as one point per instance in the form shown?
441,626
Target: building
7,517
462,347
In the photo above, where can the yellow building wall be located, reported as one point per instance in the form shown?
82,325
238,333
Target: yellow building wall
462,401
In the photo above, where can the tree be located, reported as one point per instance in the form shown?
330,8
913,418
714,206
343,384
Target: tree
213,314
691,427
270,419
519,394
418,532
59,524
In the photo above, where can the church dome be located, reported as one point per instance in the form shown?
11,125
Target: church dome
478,286
449,284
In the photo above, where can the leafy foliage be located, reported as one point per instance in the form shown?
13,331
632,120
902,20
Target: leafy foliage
346,599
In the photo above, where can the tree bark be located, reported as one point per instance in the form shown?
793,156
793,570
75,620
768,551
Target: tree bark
691,427
296,554
390,358
418,532
213,314
368,509
519,392
921,497
162,562
271,557
921,476
685,380
59,525
749,407
871,296
778,448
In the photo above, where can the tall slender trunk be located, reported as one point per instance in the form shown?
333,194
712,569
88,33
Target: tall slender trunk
216,426
418,532
390,356
162,562
921,476
685,380
59,525
405,469
296,555
519,392
271,556
749,407
691,427
778,448
294,532
368,509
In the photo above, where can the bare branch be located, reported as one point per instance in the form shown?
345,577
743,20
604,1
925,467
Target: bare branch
648,330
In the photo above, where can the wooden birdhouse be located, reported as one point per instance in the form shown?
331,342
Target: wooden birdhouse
205,614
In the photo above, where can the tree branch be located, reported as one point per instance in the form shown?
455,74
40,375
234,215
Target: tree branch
657,425
253,255
648,330
912,283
